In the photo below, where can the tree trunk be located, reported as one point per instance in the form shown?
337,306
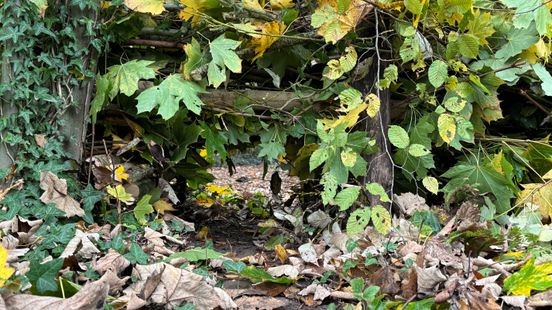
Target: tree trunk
380,165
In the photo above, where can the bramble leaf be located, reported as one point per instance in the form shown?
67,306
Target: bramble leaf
398,136
143,207
358,220
381,218
345,198
437,73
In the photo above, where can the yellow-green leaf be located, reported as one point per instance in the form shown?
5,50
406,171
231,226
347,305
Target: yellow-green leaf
447,127
431,184
334,23
5,271
118,192
349,158
154,7
357,221
539,194
281,4
270,33
373,105
528,278
337,67
381,218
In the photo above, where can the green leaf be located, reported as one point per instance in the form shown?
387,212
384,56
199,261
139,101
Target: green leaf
136,255
398,136
377,190
197,254
468,45
168,95
349,158
214,142
90,197
330,187
125,77
545,77
103,88
43,276
258,275
455,104
437,73
271,150
143,207
154,7
381,218
418,150
414,6
317,158
518,40
357,221
224,56
194,60
345,198
485,179
528,278
431,184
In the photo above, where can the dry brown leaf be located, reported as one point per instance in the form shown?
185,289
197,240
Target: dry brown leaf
428,279
112,261
261,302
115,283
167,285
163,206
308,253
55,191
410,203
40,140
385,279
91,296
319,291
284,270
168,191
87,248
543,299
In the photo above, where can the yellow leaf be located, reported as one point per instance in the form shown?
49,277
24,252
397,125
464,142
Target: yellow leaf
348,158
281,253
203,233
154,7
194,8
271,32
543,50
335,68
205,202
161,206
120,174
548,175
373,105
281,4
42,6
118,192
252,4
349,119
5,271
447,127
219,190
203,153
539,194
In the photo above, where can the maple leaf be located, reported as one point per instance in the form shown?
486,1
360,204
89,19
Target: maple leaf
5,271
271,32
154,7
334,21
162,206
252,5
118,192
224,56
194,8
529,277
119,173
539,194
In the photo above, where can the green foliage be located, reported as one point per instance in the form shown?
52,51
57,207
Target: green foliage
197,254
529,277
224,56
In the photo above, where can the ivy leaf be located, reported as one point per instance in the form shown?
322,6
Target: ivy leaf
378,190
118,192
136,255
468,45
437,73
124,78
143,207
398,136
43,276
197,254
431,184
357,221
446,124
528,278
167,96
5,271
345,198
224,56
154,7
381,218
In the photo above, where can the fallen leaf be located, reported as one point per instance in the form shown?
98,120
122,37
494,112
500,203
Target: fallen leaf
55,191
112,261
319,219
40,140
270,33
281,253
428,279
410,203
16,185
543,299
308,253
82,239
161,206
319,291
92,294
168,191
284,270
167,285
